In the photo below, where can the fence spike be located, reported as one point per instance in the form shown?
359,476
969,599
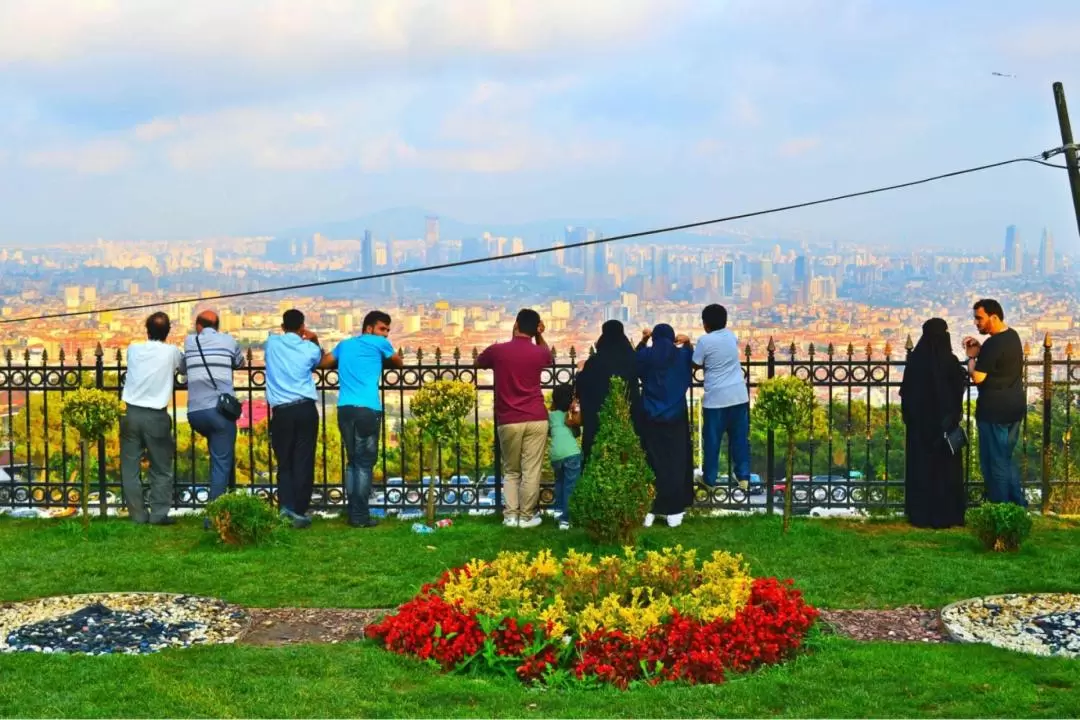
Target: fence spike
811,350
850,350
908,344
592,351
119,356
794,350
831,350
250,356
26,356
869,350
61,355
888,348
7,356
78,356
475,353
99,351
1068,350
748,351
45,356
771,347
438,354
457,355
554,353
419,355
573,354
1027,348
1047,342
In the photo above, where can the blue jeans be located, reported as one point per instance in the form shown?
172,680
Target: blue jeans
359,428
220,434
567,472
1000,474
735,421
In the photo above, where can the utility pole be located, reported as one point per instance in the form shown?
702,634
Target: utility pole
1073,169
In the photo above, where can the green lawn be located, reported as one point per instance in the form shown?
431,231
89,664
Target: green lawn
838,564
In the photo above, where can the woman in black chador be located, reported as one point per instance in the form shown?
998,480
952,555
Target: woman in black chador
932,395
614,357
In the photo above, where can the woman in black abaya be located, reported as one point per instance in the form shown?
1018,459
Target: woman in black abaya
932,404
614,357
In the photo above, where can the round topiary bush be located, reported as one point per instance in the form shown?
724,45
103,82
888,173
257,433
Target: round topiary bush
240,518
93,413
616,488
1000,527
654,617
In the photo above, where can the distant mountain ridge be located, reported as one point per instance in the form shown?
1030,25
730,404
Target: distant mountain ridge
406,223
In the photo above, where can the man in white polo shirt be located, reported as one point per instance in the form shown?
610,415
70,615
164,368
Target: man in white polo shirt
146,425
726,403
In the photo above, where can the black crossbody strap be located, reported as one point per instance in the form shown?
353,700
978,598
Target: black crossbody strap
206,364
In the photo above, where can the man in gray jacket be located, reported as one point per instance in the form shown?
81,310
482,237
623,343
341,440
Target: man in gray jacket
220,356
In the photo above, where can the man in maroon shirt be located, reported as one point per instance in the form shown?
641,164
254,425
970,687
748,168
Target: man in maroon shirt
521,418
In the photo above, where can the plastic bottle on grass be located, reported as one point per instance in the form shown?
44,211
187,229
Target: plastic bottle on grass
422,529
444,523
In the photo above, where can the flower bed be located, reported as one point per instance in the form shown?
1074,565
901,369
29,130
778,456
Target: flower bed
657,617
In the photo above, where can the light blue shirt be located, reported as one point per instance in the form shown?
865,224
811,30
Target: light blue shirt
289,362
725,384
360,363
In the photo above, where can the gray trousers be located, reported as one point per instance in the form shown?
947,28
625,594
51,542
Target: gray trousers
150,430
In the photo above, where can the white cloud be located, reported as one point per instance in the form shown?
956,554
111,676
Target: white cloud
289,32
799,146
98,157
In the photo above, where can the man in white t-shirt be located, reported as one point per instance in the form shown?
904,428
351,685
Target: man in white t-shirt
146,425
726,403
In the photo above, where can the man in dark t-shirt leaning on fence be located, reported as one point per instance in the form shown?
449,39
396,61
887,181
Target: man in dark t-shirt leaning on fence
996,366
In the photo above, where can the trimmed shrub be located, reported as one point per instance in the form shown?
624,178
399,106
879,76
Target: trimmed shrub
786,403
1000,527
616,488
242,519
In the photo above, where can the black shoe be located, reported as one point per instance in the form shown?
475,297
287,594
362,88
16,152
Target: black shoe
167,520
369,523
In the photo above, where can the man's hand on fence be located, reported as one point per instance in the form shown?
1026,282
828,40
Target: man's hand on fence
972,347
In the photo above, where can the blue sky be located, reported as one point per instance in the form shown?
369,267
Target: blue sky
155,119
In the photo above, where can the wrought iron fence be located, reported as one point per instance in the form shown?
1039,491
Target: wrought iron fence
852,456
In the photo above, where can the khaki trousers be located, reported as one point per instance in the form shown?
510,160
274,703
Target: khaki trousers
522,446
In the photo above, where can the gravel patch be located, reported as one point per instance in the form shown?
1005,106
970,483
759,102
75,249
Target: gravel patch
904,624
118,623
1039,623
290,626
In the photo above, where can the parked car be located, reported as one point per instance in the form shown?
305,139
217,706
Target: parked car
799,494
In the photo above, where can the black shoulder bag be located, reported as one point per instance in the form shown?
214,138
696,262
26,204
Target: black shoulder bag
227,404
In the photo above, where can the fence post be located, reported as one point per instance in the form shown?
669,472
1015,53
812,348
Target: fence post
1047,419
99,383
770,439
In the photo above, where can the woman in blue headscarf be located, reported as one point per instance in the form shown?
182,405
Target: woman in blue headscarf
665,368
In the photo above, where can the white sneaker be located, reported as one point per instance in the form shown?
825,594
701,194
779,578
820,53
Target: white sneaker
563,525
531,522
510,522
675,520
649,520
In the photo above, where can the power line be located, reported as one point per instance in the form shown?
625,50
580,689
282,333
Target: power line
540,251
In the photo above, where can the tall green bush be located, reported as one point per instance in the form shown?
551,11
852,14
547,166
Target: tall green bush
616,489
440,408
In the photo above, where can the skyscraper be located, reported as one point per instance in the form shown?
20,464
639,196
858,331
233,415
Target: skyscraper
1046,254
729,278
1014,250
367,254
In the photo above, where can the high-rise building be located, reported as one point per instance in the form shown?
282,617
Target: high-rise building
367,253
729,278
208,258
71,297
431,231
1046,254
1014,250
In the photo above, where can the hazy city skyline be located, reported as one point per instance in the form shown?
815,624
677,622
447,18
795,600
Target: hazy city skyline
144,120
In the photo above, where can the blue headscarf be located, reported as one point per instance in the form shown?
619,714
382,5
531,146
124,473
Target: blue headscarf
666,375
663,347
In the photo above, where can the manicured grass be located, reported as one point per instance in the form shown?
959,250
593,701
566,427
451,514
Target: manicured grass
840,678
839,564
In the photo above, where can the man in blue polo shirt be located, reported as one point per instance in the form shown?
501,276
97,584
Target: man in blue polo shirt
294,421
360,361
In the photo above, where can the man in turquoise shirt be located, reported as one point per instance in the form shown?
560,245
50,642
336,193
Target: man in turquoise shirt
360,361
294,421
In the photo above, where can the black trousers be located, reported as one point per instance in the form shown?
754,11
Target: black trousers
294,430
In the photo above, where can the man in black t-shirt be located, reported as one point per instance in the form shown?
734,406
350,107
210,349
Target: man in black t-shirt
996,366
